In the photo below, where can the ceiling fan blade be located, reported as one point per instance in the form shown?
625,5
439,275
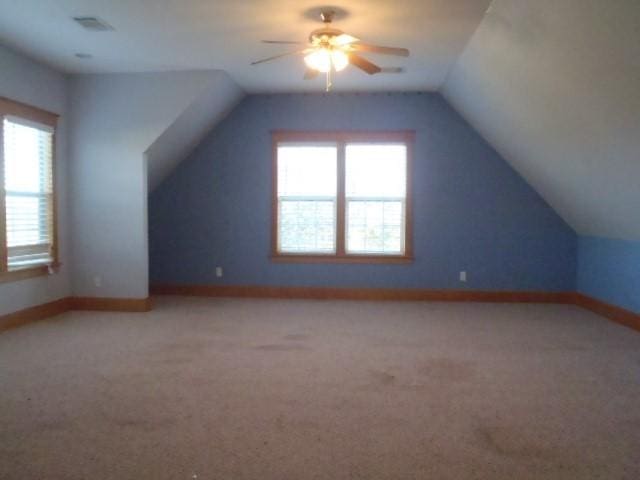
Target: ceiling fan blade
286,42
344,39
364,64
310,74
364,47
392,70
275,57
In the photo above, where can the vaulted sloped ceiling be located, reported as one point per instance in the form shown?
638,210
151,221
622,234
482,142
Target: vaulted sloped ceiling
554,85
209,107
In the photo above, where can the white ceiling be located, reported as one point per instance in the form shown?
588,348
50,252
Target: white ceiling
554,85
163,35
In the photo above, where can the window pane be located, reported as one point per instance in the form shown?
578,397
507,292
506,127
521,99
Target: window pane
28,151
376,170
26,220
27,158
306,226
375,227
307,184
307,170
376,177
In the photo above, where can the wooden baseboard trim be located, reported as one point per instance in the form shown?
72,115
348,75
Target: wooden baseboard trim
33,314
327,293
111,304
612,312
63,305
56,307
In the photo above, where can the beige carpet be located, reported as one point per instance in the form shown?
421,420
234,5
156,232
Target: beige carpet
277,390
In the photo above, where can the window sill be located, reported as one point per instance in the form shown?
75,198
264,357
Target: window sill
26,272
376,259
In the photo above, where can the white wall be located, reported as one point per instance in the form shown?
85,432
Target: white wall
115,118
26,81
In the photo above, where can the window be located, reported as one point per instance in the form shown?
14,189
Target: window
27,206
341,196
307,198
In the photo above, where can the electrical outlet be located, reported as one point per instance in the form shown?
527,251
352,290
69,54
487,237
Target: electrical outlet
97,281
218,271
463,276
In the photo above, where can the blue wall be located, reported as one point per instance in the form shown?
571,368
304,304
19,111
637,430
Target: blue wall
471,210
609,270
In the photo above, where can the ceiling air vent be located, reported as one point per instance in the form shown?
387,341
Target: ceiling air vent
93,24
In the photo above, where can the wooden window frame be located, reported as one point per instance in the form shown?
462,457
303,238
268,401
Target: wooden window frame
341,138
37,115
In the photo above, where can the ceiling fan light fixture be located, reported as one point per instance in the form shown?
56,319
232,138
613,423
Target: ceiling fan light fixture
331,50
323,59
319,60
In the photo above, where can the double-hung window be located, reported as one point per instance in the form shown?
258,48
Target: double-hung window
342,196
27,207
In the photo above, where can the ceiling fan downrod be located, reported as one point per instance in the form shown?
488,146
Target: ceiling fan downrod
327,16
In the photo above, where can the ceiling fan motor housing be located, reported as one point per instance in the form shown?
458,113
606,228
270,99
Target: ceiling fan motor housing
327,16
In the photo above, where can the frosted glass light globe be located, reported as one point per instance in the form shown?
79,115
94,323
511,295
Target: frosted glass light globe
319,60
339,60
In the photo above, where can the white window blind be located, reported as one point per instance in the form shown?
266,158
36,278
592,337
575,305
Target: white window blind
307,179
28,154
376,179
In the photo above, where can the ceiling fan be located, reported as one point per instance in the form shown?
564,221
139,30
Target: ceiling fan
331,50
